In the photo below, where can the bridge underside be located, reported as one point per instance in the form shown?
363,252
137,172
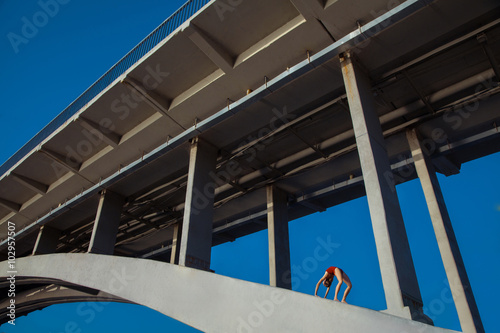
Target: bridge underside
36,293
247,127
196,297
294,130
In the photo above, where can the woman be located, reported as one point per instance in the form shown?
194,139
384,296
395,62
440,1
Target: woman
327,280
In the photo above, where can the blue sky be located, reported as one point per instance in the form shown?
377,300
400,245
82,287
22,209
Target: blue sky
85,38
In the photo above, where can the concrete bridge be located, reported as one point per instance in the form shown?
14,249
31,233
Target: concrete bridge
197,297
216,127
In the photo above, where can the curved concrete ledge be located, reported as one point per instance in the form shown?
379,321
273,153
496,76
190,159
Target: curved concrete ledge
54,292
207,301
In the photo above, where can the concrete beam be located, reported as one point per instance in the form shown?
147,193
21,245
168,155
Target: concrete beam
312,206
176,243
312,11
213,50
279,243
158,103
224,237
157,252
306,142
396,264
109,137
30,183
483,40
445,166
196,240
65,161
106,223
196,88
12,206
241,221
47,240
419,92
465,303
271,38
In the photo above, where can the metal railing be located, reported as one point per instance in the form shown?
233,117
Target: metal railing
160,33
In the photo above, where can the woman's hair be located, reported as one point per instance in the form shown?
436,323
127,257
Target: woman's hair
327,282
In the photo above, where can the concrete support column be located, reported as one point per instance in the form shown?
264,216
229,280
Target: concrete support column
399,279
196,240
46,242
279,244
106,223
176,242
461,290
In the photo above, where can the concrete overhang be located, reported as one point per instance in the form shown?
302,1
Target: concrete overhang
292,129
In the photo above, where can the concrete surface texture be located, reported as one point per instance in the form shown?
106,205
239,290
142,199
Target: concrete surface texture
211,302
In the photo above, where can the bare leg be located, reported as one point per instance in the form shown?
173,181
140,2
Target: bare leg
349,286
338,274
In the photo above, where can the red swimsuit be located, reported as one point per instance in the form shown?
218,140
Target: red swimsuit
331,270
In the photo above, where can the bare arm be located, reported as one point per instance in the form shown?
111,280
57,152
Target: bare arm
319,282
327,291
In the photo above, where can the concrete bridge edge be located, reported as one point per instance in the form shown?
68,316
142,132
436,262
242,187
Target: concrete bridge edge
208,301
